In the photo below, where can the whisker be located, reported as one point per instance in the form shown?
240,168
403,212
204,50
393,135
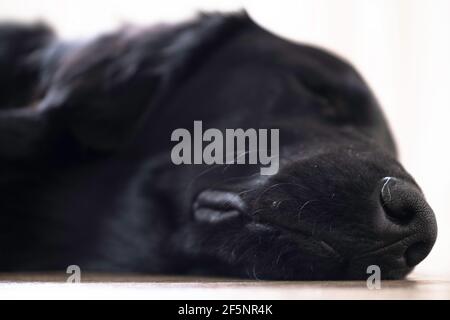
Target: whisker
303,206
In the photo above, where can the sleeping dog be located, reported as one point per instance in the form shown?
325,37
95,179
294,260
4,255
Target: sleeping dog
87,177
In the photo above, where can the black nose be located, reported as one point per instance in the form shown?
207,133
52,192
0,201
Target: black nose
408,217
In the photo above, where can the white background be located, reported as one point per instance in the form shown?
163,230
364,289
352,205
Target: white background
402,47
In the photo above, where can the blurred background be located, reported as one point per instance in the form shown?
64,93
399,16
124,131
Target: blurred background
401,47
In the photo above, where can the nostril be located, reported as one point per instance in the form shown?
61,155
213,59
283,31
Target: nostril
395,201
416,253
406,216
398,213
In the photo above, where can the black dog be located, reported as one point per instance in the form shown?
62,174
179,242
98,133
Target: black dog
87,178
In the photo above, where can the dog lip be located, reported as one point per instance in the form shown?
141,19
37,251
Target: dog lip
405,241
213,216
215,206
217,200
326,247
299,236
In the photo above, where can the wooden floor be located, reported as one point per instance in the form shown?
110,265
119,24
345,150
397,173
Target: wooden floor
51,286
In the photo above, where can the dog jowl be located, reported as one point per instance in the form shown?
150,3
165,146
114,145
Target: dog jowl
87,177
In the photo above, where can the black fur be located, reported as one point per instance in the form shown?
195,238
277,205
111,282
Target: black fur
86,176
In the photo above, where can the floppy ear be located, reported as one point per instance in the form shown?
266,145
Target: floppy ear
92,93
18,70
102,90
99,92
111,85
21,130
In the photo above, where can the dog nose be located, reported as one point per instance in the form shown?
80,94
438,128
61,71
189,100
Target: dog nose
406,209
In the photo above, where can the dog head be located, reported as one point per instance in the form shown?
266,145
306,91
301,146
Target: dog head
329,213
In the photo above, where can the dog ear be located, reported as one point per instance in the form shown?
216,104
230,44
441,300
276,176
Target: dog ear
21,129
110,85
99,92
19,43
102,90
